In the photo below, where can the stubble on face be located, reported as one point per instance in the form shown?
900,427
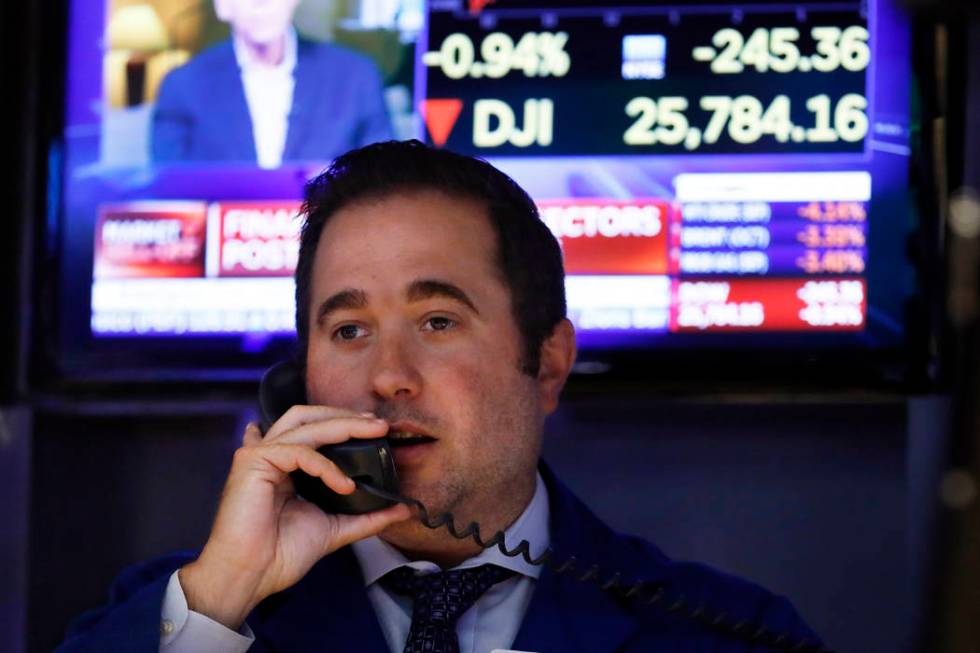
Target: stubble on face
467,390
490,482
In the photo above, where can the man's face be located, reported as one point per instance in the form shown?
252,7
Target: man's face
260,22
410,319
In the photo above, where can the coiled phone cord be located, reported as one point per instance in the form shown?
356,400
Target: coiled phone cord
719,621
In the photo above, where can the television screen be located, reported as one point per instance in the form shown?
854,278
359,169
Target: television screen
720,176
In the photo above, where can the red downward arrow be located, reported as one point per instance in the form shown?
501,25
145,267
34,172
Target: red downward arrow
476,6
440,117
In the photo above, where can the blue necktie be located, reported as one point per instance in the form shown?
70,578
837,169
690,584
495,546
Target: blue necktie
439,599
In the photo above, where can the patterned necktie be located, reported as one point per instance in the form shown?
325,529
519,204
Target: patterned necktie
439,599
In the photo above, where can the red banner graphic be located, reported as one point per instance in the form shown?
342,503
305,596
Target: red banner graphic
150,239
768,305
253,239
601,236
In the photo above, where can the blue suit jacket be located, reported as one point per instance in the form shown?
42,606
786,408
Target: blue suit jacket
201,113
329,609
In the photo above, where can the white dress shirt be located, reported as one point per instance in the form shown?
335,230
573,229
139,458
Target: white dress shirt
269,95
491,624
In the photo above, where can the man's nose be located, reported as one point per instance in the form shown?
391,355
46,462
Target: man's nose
395,373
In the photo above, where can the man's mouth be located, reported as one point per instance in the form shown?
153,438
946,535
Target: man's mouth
400,438
409,445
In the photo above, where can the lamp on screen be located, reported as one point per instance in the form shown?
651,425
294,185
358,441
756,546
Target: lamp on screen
135,33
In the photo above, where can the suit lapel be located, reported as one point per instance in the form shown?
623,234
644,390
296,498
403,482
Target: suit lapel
327,611
567,615
544,629
570,615
230,108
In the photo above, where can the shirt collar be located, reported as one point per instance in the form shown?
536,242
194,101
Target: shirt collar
377,557
247,62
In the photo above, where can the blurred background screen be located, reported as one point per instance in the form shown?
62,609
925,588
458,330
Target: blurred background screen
771,228
738,180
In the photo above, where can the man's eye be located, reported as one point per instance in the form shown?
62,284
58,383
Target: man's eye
347,332
440,323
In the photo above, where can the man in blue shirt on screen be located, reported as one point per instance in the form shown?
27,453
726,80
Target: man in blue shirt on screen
267,96
431,309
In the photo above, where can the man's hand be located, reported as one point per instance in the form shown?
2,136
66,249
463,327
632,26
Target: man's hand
265,538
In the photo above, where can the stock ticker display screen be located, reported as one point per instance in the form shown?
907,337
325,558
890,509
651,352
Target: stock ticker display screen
711,170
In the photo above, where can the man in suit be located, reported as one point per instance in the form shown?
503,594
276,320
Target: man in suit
267,96
431,309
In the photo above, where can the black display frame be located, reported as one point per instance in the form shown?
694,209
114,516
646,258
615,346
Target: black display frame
132,366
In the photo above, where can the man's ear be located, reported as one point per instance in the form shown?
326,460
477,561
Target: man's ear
557,358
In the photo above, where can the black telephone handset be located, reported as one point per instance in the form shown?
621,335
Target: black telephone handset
368,462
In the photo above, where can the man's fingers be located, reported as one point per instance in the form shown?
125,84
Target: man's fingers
286,458
252,436
299,415
352,528
332,431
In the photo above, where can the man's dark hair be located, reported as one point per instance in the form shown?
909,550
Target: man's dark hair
528,255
